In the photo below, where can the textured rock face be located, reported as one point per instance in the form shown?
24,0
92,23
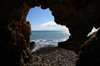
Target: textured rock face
14,37
78,15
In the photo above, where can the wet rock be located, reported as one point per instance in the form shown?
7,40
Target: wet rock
32,45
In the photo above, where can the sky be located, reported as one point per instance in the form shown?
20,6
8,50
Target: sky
42,20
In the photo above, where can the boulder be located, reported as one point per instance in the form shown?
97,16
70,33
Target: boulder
32,45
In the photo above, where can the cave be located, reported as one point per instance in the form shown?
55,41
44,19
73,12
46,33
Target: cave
78,16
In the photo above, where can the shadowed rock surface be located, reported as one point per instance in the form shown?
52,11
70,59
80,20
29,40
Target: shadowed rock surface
70,44
32,45
90,52
78,15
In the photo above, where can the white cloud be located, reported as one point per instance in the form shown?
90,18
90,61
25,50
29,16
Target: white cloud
53,26
50,24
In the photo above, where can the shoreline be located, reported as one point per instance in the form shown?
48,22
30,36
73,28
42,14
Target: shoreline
39,47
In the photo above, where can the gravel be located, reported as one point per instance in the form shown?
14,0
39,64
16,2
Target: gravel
53,56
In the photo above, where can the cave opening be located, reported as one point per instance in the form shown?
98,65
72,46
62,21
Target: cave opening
44,30
93,30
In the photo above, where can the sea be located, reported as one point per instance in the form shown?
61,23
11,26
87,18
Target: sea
47,38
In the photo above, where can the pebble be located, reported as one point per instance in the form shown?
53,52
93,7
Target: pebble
53,56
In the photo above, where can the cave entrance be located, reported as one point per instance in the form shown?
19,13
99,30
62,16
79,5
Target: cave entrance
44,31
93,30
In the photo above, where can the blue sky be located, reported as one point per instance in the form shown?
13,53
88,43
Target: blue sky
42,20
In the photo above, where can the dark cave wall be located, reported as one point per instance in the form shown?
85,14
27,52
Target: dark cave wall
78,16
13,41
89,54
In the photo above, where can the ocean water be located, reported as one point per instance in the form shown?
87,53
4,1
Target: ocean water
47,38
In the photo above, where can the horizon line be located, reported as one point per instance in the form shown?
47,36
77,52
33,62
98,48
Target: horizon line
48,30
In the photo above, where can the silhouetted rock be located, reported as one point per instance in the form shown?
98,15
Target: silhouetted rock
70,44
32,45
90,52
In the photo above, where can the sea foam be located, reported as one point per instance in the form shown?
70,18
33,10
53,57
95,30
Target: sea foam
48,38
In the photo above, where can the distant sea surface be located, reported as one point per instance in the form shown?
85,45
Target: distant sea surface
48,38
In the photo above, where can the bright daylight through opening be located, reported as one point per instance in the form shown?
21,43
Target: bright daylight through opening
93,30
44,31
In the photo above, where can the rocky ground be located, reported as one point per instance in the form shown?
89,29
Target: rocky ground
53,56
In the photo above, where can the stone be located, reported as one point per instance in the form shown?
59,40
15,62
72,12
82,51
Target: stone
32,45
26,29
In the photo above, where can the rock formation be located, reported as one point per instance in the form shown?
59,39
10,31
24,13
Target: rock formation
32,45
90,52
13,40
78,15
70,44
26,30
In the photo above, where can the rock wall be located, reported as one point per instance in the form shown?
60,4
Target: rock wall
14,37
89,54
78,15
70,44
